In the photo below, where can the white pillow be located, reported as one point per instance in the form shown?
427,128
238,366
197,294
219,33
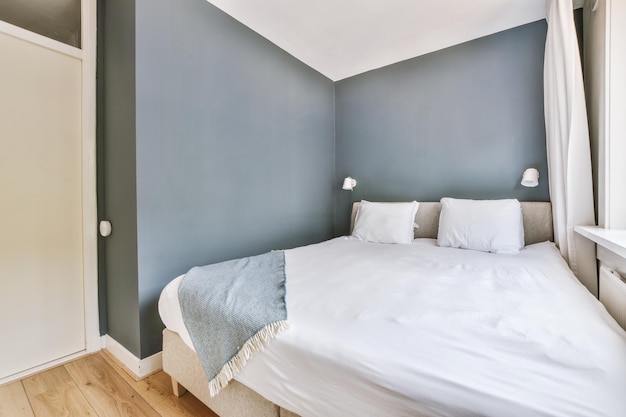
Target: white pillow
385,222
484,225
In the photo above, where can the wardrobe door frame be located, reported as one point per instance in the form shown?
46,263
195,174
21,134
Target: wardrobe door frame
87,55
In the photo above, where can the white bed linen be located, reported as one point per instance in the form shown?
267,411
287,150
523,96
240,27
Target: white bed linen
406,330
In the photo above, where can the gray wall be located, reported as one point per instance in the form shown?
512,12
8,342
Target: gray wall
117,199
462,122
216,144
233,154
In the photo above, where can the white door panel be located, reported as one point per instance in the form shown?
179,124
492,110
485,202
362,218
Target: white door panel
41,254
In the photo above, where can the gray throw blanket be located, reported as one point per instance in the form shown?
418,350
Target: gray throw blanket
233,309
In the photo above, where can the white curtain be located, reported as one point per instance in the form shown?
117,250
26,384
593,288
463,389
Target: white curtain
567,137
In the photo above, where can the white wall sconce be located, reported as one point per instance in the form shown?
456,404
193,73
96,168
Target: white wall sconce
349,183
530,178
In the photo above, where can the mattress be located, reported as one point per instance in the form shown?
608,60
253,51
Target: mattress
406,330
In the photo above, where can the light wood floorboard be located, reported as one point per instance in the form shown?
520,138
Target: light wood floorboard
96,386
13,401
157,390
53,393
106,390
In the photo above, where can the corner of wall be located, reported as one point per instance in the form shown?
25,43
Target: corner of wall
136,368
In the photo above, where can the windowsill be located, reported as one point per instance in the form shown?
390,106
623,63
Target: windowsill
611,239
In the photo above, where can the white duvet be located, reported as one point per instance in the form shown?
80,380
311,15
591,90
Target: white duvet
412,330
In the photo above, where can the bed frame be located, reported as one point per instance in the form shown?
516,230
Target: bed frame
237,400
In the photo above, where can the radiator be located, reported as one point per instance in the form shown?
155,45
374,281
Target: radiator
613,294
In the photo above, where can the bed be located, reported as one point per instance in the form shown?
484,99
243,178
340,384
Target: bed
423,330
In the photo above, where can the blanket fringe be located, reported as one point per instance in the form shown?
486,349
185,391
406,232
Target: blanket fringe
255,344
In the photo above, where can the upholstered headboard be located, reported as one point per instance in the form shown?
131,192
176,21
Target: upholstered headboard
537,220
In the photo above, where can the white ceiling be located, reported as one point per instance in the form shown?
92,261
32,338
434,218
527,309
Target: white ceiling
342,38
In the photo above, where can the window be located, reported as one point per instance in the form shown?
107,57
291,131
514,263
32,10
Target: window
57,19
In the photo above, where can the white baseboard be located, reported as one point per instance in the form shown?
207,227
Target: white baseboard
41,368
139,368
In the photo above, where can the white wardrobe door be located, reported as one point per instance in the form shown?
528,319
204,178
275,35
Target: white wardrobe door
41,264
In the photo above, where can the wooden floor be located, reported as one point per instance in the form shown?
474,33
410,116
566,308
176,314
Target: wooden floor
96,386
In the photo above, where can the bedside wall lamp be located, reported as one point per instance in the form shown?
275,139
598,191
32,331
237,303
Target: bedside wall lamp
349,183
530,178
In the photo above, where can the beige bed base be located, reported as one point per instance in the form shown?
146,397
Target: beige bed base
237,400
